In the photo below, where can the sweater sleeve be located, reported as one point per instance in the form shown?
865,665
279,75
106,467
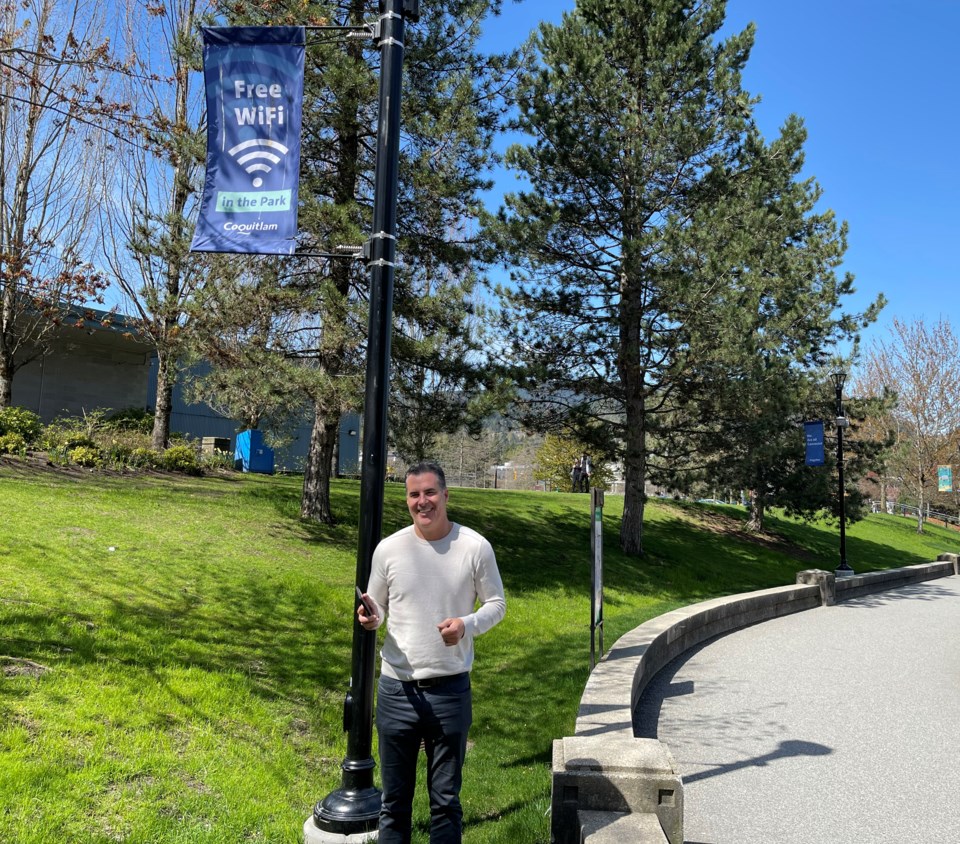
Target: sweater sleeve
490,593
377,587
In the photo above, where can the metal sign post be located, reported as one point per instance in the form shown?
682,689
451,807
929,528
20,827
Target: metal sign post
596,580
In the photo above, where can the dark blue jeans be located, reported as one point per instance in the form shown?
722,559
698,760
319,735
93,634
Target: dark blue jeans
440,717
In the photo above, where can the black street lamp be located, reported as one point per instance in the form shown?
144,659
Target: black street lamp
843,570
351,812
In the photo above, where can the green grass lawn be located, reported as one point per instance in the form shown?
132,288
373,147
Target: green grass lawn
175,651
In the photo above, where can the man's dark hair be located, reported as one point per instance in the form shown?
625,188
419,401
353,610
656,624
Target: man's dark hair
424,467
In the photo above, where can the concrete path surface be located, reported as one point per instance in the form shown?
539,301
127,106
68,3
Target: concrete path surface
839,725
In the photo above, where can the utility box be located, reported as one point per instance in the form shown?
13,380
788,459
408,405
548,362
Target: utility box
251,455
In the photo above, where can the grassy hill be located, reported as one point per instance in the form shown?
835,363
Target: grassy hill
175,651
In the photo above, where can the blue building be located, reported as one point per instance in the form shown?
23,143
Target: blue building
98,361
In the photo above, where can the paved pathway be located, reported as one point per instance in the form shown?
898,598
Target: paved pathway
840,725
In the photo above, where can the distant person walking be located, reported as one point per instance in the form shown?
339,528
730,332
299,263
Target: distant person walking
575,474
586,470
428,579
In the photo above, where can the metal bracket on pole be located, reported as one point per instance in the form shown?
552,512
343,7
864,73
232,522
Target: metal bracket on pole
367,30
340,251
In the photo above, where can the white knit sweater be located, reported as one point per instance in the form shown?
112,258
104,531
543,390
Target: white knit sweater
417,584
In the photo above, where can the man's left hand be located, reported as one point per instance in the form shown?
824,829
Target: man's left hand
452,630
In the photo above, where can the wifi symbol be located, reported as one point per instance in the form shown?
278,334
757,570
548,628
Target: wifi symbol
255,161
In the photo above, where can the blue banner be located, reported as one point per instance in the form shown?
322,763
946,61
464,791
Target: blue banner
944,478
813,432
253,77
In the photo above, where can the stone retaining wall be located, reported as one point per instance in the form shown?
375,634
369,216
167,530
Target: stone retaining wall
604,774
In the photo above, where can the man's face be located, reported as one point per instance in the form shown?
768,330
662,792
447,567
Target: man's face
427,503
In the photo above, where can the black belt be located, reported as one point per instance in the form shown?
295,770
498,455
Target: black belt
433,682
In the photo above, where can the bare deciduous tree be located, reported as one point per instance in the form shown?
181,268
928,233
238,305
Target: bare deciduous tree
53,56
148,225
921,366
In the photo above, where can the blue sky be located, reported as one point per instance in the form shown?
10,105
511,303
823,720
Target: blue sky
877,86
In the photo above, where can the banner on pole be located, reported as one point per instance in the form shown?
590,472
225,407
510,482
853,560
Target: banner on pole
813,433
944,479
253,76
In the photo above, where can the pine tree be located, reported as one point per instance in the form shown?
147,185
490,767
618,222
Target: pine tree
451,108
662,244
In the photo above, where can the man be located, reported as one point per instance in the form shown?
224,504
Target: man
586,470
428,579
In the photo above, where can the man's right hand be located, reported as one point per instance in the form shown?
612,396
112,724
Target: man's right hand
367,622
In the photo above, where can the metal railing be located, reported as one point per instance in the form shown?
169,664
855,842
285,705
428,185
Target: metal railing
911,510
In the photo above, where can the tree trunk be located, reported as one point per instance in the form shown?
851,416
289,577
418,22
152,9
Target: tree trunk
163,404
922,480
632,374
315,500
6,381
635,468
755,519
634,500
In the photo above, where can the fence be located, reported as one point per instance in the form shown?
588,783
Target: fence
912,511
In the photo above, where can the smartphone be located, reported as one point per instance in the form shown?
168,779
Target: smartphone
367,608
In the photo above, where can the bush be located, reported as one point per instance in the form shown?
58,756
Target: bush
85,455
217,460
61,435
117,454
143,458
181,458
13,443
19,420
131,419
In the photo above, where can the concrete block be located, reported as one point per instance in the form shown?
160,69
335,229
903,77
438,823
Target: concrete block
878,581
951,558
825,580
313,835
614,828
614,773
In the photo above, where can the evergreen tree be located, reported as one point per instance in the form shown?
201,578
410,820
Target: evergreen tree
451,108
663,246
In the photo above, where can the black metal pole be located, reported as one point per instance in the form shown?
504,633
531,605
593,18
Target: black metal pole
843,568
355,807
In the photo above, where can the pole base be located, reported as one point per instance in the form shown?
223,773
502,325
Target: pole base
350,812
312,834
844,571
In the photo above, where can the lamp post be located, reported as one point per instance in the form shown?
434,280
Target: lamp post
843,570
351,812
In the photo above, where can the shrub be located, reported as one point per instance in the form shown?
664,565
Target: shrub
85,455
19,420
217,460
131,419
181,458
117,454
63,434
13,443
143,458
